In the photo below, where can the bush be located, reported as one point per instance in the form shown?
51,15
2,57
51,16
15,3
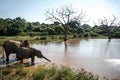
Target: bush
43,38
23,34
94,34
63,73
81,35
86,34
51,31
46,73
6,71
116,35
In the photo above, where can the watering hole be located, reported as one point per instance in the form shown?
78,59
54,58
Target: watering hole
100,56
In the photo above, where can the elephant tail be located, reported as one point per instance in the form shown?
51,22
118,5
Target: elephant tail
3,49
3,46
3,52
46,58
3,57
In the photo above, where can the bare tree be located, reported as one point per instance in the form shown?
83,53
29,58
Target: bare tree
108,23
64,15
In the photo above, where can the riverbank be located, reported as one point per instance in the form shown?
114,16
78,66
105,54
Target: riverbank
34,39
39,39
40,72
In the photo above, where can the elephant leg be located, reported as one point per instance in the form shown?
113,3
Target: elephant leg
17,57
7,58
32,60
21,60
7,55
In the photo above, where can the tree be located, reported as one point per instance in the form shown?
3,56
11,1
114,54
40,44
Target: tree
3,28
74,24
64,16
80,30
15,26
107,24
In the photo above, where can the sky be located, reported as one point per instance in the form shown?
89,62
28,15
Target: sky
34,10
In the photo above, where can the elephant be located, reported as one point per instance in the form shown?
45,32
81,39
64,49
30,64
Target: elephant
12,46
25,53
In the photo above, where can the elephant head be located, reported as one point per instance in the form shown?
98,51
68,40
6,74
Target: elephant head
11,46
38,53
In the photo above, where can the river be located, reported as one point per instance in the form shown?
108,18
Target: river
99,56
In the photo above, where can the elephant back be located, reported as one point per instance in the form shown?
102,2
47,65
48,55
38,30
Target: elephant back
12,45
24,52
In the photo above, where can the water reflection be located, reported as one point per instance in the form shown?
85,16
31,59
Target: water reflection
114,63
107,46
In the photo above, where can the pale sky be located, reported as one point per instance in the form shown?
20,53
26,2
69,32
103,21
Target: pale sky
34,10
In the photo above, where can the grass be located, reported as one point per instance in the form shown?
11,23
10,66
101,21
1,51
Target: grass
35,39
64,73
20,72
40,39
12,73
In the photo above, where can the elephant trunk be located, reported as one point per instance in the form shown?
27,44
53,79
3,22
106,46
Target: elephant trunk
46,58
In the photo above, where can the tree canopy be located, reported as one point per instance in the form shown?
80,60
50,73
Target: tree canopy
19,26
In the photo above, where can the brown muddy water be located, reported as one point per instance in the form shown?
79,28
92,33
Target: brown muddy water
100,56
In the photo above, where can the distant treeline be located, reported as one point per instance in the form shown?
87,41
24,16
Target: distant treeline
19,26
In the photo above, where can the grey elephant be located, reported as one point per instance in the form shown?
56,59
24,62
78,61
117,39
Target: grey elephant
24,53
12,46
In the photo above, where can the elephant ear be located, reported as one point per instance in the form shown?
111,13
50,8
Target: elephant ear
38,53
26,43
21,44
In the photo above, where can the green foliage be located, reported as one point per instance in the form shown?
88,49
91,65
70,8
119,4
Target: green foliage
13,73
19,27
74,24
75,36
6,71
51,31
87,34
58,29
63,73
41,38
53,72
92,34
116,35
80,30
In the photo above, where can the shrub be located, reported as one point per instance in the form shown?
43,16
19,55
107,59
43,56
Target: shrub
86,34
116,35
43,38
93,34
63,73
47,73
75,36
